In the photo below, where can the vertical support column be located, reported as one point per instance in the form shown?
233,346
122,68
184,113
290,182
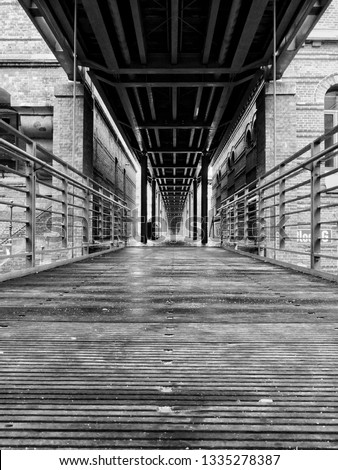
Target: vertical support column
124,211
153,208
204,198
194,222
30,214
281,227
144,214
159,218
315,211
189,219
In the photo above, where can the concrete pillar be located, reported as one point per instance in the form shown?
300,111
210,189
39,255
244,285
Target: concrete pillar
144,211
204,199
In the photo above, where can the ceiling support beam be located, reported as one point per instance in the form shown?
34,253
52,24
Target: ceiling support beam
250,27
124,97
200,138
139,104
210,30
297,34
136,13
174,151
228,33
211,96
153,114
115,12
167,167
193,68
172,84
151,103
157,137
171,178
98,25
192,135
174,102
174,126
223,101
174,31
198,102
60,43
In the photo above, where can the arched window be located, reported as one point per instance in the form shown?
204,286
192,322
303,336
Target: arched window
248,138
331,119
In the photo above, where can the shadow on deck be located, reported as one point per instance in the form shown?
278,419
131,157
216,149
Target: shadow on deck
169,348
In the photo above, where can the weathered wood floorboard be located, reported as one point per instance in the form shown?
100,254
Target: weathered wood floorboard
169,348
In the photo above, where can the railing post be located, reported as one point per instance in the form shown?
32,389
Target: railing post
101,215
221,227
112,217
315,211
236,222
64,216
85,220
30,214
282,209
246,218
228,224
261,221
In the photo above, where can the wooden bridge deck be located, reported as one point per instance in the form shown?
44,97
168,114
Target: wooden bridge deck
169,348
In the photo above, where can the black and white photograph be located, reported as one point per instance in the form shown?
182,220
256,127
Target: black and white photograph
169,234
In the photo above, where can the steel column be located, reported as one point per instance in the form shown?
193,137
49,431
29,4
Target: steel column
194,221
153,208
189,220
204,199
144,213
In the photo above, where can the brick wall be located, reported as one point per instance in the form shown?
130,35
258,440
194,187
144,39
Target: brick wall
18,37
32,76
300,119
110,161
286,122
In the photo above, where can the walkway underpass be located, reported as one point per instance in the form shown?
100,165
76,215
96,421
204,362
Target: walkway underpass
171,347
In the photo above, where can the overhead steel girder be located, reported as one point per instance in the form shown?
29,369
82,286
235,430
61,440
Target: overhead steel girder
175,79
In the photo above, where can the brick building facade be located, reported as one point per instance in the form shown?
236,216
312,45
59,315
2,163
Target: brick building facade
306,107
41,94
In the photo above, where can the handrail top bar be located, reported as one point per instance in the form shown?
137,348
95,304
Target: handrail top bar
25,155
42,149
256,186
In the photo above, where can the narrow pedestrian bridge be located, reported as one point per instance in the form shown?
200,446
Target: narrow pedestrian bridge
170,347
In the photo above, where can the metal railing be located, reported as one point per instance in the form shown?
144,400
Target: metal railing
290,214
50,211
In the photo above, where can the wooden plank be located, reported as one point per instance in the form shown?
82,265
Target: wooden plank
161,358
